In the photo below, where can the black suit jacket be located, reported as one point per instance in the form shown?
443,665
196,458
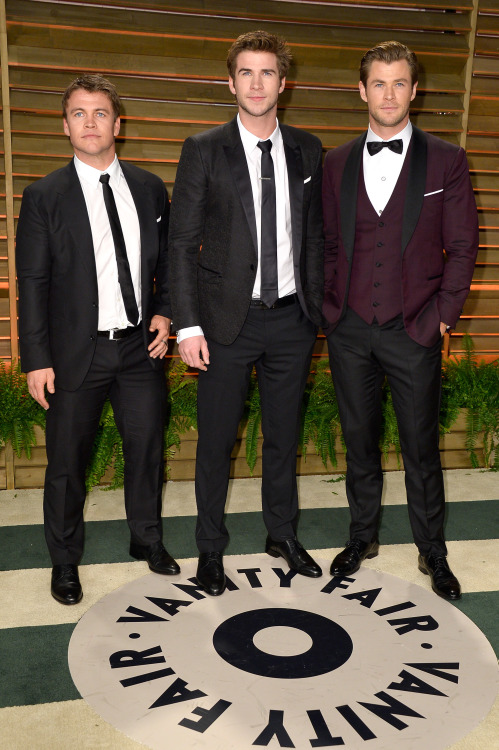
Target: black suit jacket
58,297
213,210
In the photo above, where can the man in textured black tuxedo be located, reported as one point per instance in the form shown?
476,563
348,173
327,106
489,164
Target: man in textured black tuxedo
94,318
246,269
394,199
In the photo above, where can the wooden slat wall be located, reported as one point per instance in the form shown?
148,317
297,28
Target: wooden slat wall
168,62
482,308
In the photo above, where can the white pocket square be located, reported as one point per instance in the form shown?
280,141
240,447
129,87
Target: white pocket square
307,180
434,193
158,219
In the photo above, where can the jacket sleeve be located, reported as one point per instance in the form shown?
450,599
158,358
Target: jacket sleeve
315,244
460,240
186,232
162,302
33,262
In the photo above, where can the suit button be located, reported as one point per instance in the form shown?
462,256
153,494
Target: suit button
92,338
381,224
378,264
380,244
375,304
377,283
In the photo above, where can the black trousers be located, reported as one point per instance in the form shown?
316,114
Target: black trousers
120,370
279,343
360,357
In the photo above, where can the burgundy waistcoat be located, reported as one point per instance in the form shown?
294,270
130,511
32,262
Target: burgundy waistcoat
376,280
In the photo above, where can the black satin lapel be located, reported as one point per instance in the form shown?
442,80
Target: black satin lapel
236,159
294,165
348,195
74,210
416,185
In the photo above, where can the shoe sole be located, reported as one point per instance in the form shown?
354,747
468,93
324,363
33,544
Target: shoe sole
437,591
138,555
207,591
273,553
63,601
375,553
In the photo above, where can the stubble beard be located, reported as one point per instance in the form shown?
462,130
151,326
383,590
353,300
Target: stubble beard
389,123
260,113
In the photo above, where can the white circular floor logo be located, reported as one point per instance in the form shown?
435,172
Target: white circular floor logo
283,661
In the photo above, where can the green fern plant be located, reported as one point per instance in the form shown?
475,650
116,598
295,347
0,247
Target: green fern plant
253,419
321,419
19,413
474,385
108,449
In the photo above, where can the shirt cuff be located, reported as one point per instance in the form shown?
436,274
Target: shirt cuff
186,333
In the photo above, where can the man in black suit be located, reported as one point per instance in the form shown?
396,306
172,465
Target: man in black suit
94,318
246,268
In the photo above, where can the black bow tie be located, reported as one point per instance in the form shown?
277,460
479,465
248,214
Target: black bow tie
374,147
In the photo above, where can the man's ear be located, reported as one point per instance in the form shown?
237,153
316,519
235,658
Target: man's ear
362,91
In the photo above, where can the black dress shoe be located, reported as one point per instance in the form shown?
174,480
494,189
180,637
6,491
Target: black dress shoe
295,555
157,558
210,573
65,586
443,581
348,561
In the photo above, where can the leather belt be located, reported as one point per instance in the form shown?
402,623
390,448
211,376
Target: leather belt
290,299
119,333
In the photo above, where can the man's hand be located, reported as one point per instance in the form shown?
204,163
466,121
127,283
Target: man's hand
194,352
37,380
159,346
443,328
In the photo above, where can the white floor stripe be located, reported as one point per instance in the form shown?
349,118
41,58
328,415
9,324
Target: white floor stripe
27,601
19,507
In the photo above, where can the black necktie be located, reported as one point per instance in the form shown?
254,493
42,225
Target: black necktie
268,261
124,275
374,147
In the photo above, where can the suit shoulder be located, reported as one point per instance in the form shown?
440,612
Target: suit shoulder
218,133
50,181
301,137
340,153
143,175
438,144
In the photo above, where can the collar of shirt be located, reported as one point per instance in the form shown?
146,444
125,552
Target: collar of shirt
404,134
92,175
382,170
250,141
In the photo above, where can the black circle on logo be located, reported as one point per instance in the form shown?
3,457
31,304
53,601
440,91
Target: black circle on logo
331,645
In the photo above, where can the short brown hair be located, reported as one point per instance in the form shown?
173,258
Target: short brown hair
260,41
389,52
93,83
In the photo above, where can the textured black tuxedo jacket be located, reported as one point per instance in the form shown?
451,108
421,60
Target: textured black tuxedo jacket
58,296
213,288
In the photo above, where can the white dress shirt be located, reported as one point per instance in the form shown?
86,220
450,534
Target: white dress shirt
111,306
285,268
382,170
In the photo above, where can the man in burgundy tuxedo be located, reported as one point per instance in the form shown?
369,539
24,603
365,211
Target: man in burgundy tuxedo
394,200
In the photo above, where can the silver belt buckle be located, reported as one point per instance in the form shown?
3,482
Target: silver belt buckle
111,334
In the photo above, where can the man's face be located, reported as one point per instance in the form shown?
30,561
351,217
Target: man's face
388,93
91,127
256,84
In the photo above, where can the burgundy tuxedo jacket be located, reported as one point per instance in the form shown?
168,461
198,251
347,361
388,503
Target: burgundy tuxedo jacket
439,213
